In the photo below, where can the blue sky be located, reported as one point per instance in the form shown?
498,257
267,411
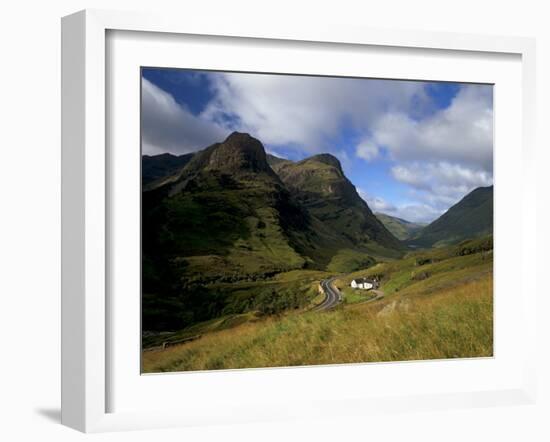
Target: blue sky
411,148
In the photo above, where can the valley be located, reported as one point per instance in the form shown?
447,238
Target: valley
436,304
248,259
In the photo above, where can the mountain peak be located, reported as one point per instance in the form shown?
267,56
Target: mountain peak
240,138
239,151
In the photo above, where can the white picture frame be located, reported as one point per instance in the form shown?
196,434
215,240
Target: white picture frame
86,356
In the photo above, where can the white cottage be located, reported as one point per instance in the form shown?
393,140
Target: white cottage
362,283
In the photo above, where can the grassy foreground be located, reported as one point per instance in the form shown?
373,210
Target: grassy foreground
451,322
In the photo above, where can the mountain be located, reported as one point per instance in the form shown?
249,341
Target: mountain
225,213
154,167
318,183
400,228
471,217
228,212
227,220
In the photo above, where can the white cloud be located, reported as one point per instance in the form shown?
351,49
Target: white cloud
415,212
442,157
305,112
367,150
376,204
420,213
431,175
169,127
462,133
276,153
441,184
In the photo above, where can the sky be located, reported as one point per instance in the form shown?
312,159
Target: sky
411,148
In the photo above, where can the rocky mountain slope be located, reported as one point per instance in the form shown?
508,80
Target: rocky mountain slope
318,183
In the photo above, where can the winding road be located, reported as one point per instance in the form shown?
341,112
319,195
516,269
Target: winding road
333,297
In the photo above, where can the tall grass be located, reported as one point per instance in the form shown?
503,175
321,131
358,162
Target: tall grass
453,322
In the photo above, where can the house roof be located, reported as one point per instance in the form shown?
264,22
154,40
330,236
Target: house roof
363,280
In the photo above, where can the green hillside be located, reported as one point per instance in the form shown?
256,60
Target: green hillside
400,228
471,217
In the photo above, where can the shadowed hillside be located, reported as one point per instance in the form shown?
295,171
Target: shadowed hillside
160,166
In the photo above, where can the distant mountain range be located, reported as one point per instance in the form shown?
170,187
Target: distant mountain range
400,228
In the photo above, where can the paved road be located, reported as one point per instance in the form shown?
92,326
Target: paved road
379,294
333,297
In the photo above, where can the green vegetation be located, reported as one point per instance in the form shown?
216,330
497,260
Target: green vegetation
152,340
198,304
355,296
447,314
431,269
348,260
456,322
400,228
469,247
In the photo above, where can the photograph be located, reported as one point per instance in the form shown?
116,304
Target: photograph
301,220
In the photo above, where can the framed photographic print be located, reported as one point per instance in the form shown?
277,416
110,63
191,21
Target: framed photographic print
251,213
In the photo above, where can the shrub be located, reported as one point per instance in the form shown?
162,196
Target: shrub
470,247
